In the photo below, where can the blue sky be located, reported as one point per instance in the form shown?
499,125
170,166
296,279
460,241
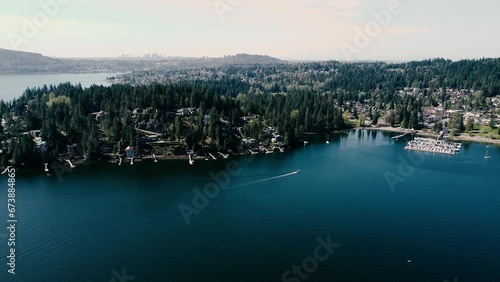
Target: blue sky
288,29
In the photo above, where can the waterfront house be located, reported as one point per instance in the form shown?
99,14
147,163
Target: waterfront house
130,152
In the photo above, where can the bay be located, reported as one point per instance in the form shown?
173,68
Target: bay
102,219
13,85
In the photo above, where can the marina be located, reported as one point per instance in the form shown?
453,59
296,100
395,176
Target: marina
433,146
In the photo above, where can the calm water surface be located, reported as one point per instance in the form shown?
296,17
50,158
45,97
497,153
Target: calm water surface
445,217
14,85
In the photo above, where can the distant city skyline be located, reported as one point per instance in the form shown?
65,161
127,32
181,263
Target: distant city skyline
294,30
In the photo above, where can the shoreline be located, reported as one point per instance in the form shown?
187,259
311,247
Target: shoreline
421,133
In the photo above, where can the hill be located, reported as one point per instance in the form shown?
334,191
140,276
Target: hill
26,62
17,61
244,59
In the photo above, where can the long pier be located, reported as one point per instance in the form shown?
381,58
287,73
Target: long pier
224,156
70,164
400,136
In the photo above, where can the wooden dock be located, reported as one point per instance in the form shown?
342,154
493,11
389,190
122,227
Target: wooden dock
224,156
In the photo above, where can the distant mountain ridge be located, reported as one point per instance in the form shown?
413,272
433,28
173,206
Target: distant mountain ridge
250,59
27,62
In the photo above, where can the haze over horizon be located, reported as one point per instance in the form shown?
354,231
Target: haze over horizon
297,30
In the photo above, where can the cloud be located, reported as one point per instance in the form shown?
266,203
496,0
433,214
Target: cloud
283,28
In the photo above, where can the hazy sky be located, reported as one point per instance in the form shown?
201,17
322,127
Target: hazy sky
287,29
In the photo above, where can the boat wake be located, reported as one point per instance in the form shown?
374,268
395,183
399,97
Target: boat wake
264,180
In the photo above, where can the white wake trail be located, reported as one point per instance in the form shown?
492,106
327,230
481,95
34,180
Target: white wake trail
263,180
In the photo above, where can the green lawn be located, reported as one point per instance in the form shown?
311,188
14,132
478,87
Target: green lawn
485,131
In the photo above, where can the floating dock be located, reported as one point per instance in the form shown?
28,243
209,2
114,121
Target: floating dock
433,146
268,151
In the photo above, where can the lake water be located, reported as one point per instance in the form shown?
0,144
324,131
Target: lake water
444,217
14,85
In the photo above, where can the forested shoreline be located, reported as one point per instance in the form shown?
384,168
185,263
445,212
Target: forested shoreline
237,109
68,114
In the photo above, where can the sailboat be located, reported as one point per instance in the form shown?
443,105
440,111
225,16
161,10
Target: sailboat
487,156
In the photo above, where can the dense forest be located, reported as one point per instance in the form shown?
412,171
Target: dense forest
68,114
222,108
356,81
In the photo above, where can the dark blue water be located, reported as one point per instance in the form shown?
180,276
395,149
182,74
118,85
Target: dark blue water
14,85
443,215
